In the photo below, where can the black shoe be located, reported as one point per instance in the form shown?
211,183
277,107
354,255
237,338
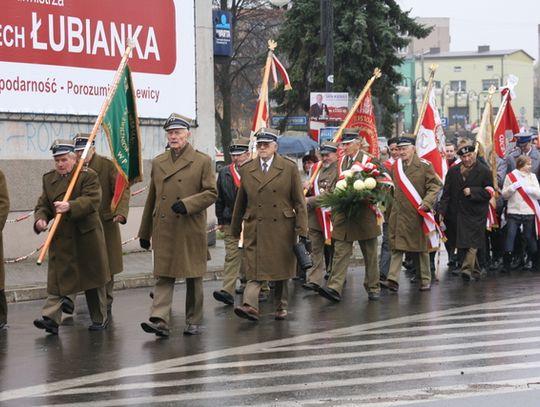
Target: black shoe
67,306
466,276
159,328
456,272
263,296
48,324
330,294
496,265
373,296
528,266
326,276
96,326
224,297
516,263
192,329
311,286
151,294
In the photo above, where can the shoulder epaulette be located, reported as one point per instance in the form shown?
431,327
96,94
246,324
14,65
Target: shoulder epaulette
426,162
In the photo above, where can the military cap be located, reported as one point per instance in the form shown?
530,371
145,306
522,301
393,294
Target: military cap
405,141
61,147
392,140
239,146
328,147
266,136
522,138
177,121
80,140
349,135
465,150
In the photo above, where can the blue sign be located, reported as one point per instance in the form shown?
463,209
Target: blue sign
444,122
291,120
222,33
327,134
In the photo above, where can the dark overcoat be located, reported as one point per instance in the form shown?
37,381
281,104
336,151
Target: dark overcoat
179,242
4,211
467,213
405,224
77,256
107,179
273,212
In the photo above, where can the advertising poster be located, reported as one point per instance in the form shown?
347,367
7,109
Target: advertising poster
326,109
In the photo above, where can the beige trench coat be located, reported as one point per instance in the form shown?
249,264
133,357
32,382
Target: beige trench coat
272,209
77,256
405,224
107,179
179,241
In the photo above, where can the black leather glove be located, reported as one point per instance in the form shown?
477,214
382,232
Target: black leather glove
179,207
145,244
306,242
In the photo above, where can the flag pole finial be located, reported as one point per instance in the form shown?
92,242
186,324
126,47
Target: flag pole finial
272,45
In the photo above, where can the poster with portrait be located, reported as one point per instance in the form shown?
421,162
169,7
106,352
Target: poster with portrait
326,109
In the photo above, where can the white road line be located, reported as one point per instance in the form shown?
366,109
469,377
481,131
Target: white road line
239,392
486,315
44,388
274,374
400,340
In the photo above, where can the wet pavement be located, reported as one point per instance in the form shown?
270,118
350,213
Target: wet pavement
462,344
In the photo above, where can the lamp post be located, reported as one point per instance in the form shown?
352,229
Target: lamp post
327,41
420,92
403,90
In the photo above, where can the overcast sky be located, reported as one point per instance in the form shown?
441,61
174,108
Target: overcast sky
502,24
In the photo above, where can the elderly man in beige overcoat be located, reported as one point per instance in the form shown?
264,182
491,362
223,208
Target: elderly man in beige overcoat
182,187
77,256
110,218
4,210
405,224
271,208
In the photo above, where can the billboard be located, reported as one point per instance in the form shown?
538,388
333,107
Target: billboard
326,109
59,56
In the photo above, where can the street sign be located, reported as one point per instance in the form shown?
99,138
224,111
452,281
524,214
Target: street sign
444,122
291,120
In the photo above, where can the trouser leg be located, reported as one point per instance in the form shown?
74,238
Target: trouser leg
282,294
422,263
194,300
371,276
316,273
340,264
251,293
469,261
163,295
96,299
233,258
384,262
53,308
3,307
395,265
109,288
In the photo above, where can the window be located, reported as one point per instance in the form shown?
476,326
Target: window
489,67
458,86
486,83
437,84
457,68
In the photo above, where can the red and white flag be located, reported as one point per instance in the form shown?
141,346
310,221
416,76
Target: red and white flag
430,140
505,122
277,67
364,119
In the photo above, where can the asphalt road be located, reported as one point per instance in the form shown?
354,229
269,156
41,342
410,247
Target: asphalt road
462,344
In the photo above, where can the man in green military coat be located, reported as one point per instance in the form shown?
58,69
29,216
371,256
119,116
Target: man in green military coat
110,217
270,209
182,186
319,218
77,256
363,227
4,210
412,177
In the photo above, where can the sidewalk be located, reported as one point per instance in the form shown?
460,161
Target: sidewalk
26,281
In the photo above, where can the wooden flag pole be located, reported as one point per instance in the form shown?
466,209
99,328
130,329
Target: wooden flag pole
80,163
376,74
425,100
492,155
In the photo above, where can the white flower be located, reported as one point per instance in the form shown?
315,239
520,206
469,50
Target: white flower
359,185
341,184
356,168
370,183
347,173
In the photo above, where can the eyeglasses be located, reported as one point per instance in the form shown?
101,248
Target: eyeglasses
263,144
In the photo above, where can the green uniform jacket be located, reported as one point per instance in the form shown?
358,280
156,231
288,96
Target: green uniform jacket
273,211
107,179
179,241
363,226
4,211
405,224
326,181
77,256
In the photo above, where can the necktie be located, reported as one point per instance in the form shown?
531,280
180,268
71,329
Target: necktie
265,167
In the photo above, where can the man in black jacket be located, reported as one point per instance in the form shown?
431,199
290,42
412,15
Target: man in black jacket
228,183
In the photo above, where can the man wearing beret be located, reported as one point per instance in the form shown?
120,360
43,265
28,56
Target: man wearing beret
182,186
110,217
319,222
77,256
468,187
270,209
4,211
416,187
228,183
363,227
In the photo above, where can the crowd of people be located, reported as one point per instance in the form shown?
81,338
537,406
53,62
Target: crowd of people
265,207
